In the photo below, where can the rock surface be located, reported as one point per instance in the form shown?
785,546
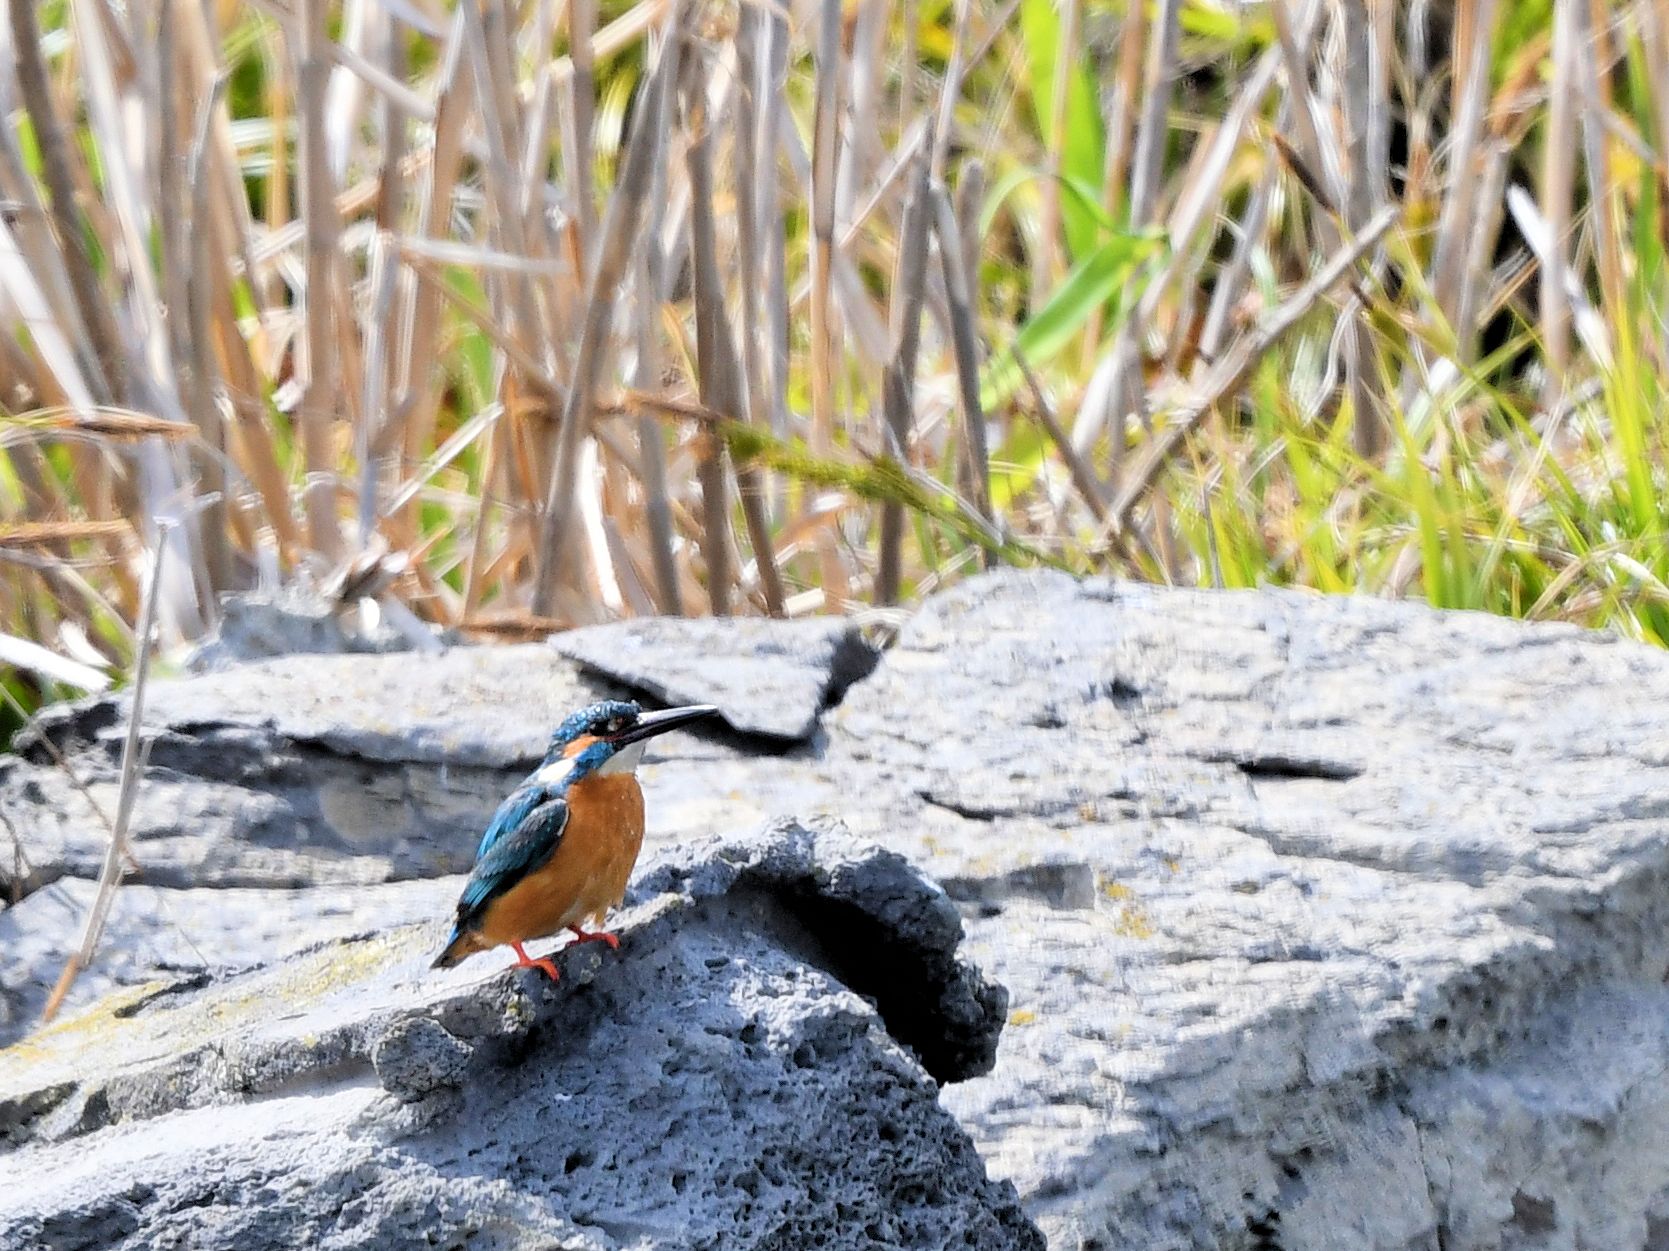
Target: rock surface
1295,897
156,932
293,621
771,678
1327,923
721,1081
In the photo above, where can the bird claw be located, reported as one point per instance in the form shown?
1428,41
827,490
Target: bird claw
524,961
598,936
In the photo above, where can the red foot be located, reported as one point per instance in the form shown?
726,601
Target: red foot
525,961
601,936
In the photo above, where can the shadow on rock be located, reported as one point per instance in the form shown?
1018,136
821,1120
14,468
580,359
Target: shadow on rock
723,1080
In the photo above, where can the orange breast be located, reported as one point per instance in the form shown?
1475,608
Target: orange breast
588,873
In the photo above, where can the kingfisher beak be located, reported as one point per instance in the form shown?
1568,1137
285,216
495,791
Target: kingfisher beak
652,723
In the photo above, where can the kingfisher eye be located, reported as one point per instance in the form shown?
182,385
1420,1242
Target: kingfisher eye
615,725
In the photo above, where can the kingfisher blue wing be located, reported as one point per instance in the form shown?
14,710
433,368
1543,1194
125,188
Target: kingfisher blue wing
511,813
511,851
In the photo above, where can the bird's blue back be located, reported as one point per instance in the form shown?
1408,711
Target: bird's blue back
520,801
518,850
511,813
523,834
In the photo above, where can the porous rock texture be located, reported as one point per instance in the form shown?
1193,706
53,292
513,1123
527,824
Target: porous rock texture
1326,923
741,1073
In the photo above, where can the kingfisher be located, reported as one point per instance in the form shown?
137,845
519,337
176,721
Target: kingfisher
559,850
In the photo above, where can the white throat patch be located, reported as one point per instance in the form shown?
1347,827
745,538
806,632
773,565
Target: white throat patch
623,761
626,759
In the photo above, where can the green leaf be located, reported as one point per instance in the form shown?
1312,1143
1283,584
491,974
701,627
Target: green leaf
475,351
1091,284
1081,145
1232,28
999,194
1015,466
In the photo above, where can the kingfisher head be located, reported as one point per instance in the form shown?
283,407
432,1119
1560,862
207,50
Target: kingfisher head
609,737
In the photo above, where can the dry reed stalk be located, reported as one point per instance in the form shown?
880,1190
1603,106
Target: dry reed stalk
26,228
717,367
824,170
582,89
909,55
970,199
1314,146
620,226
484,35
109,381
774,119
1147,162
1118,388
110,874
825,150
1485,230
899,387
1369,426
1654,21
1593,30
1558,189
374,407
1202,188
1083,477
64,367
1474,29
382,415
45,533
650,280
275,86
480,565
865,68
1232,280
316,411
417,399
166,79
751,228
539,127
210,455
1120,126
945,122
975,466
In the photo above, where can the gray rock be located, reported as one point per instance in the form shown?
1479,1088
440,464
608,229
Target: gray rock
305,770
415,1057
1326,923
716,1082
352,769
154,933
1296,899
290,622
349,614
771,678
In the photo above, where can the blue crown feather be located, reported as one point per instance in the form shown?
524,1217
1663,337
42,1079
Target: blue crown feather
581,722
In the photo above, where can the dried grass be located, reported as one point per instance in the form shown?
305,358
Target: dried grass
894,288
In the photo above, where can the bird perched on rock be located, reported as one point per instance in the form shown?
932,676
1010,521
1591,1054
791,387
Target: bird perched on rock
561,847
